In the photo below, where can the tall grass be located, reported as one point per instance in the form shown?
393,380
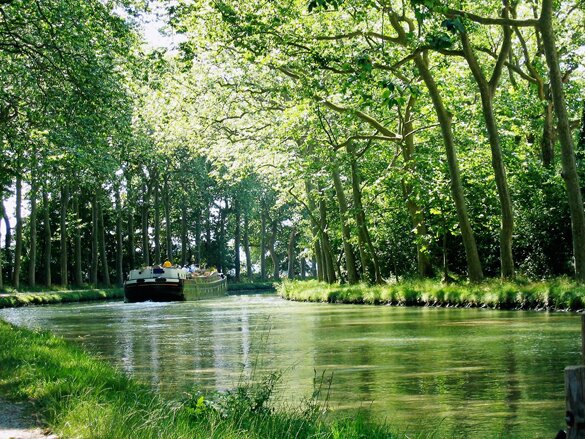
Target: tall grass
43,298
557,294
82,397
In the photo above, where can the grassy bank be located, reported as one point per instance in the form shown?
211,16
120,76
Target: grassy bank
15,299
80,396
558,294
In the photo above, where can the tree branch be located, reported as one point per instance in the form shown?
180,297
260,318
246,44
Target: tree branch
527,22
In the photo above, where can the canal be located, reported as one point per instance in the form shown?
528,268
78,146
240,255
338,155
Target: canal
461,373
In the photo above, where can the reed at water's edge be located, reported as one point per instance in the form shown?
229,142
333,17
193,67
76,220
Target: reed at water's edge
556,294
16,299
80,396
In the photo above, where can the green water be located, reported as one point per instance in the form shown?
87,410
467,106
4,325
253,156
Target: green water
462,373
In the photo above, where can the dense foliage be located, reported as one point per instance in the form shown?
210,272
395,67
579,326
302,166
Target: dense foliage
362,140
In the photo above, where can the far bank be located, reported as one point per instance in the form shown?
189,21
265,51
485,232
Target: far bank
556,294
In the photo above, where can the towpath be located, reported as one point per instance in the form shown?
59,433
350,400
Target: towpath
15,423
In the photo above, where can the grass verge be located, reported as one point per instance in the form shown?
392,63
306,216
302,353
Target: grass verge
83,397
43,298
557,294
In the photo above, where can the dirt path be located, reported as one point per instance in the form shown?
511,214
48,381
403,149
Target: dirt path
16,424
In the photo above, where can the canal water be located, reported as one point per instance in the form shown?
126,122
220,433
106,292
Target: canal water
460,373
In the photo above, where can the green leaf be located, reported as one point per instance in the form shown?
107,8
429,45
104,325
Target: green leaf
439,40
453,25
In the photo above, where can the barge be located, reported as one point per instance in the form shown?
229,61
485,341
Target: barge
169,283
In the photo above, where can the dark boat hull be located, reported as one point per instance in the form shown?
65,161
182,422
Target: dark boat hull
153,292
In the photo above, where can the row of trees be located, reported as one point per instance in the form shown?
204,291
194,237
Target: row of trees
361,140
378,76
95,193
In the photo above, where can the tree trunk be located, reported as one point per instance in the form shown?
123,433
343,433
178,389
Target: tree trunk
7,244
315,231
208,229
221,238
102,243
581,143
487,91
564,132
63,226
272,250
145,237
94,241
506,212
1,256
291,252
198,237
183,233
472,256
262,243
352,275
547,143
48,236
303,269
247,247
168,225
119,240
78,278
18,238
157,256
423,261
237,239
131,202
329,273
367,251
32,264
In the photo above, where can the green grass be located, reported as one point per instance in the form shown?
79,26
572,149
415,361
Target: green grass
42,298
83,397
557,294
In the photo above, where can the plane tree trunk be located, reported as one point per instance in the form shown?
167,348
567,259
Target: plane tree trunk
94,240
424,264
48,235
102,247
63,226
474,268
565,139
350,266
368,255
32,255
119,239
18,237
315,231
78,277
291,252
247,246
237,239
487,90
168,224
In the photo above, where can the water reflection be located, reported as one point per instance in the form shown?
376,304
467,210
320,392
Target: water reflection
460,373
